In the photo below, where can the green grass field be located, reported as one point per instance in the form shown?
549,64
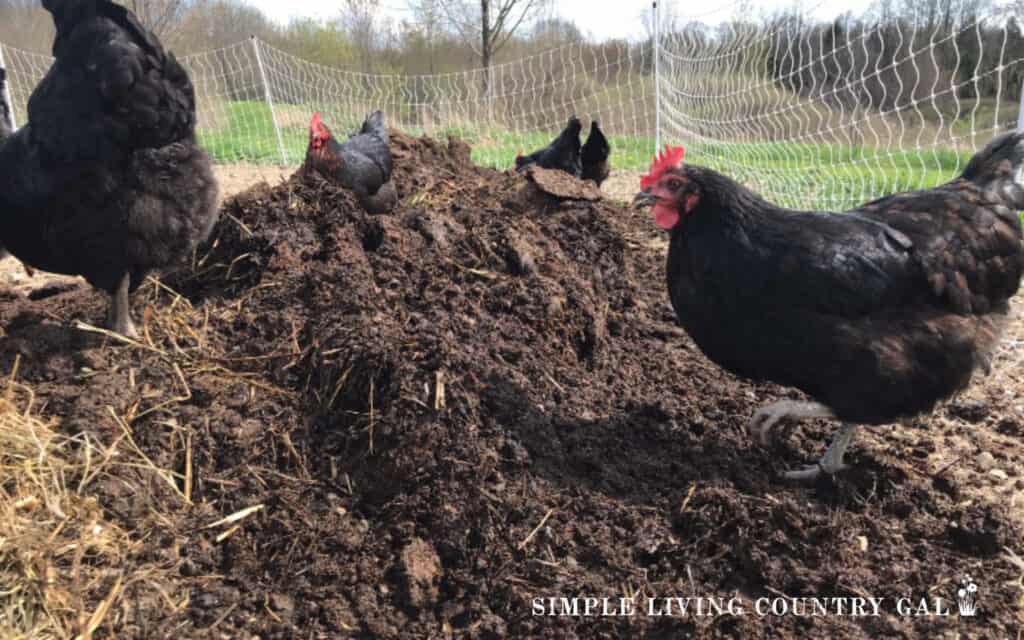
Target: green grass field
815,176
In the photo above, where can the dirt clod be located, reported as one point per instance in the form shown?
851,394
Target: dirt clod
421,573
560,185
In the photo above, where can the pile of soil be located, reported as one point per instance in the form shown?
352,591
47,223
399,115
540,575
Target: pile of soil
424,421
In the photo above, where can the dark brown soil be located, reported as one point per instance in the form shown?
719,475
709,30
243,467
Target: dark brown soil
475,401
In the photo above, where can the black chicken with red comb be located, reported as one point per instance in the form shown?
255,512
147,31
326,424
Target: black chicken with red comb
878,313
362,163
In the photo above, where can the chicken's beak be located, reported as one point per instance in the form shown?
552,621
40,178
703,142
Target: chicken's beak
645,199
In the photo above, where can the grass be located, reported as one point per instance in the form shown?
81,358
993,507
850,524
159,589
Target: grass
803,175
248,136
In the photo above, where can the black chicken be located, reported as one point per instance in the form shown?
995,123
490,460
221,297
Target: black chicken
105,179
563,153
362,163
878,313
594,155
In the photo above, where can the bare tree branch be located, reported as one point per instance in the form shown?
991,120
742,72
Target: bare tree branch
467,29
527,11
488,29
162,17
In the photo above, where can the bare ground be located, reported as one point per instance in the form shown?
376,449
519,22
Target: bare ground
958,442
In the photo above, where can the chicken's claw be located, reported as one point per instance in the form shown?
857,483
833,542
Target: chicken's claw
832,460
768,416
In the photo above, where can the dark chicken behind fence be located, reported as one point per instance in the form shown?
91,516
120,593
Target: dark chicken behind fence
105,180
877,313
362,163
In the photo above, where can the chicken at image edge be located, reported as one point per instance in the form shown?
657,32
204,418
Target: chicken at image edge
362,164
105,179
878,313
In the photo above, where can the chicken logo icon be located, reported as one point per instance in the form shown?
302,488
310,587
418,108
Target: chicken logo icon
967,597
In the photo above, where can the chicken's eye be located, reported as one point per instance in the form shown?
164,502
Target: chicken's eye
674,184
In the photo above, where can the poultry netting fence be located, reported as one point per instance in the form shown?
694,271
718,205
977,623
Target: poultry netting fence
813,113
254,101
828,114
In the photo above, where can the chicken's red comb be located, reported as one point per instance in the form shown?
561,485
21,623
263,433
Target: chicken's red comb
670,158
318,130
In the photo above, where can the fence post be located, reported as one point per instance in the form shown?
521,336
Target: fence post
6,97
490,95
270,99
657,79
1020,114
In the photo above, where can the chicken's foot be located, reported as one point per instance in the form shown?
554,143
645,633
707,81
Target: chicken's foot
119,318
765,418
832,460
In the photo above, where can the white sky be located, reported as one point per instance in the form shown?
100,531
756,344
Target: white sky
597,19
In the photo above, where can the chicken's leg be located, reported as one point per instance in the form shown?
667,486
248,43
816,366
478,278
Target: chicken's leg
119,318
831,461
768,416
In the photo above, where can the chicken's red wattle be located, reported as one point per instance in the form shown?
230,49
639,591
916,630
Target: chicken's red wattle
665,216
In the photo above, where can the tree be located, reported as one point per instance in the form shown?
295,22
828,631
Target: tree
668,20
162,17
317,42
212,24
428,15
488,25
554,31
360,24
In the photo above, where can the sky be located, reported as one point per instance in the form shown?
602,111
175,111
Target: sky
598,20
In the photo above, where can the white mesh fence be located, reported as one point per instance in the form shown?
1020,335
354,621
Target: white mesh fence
24,71
517,106
254,102
828,115
812,114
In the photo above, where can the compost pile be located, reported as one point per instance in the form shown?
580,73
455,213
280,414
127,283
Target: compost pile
420,422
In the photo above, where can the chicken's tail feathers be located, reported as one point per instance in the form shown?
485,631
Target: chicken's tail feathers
570,136
574,125
374,123
596,148
66,13
999,168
